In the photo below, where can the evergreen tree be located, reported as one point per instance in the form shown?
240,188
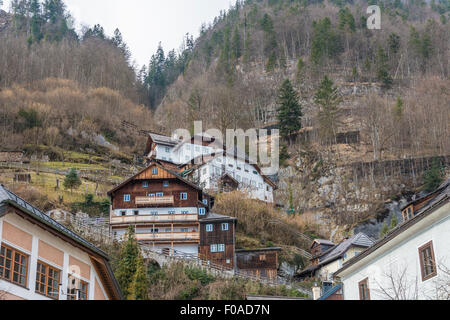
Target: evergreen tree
394,222
247,48
270,65
270,40
384,230
300,75
72,180
382,69
434,177
398,109
289,111
139,286
394,43
236,49
327,99
325,42
128,260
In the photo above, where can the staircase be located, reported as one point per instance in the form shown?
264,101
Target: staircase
166,259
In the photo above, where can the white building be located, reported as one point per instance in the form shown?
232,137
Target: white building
411,262
208,162
41,259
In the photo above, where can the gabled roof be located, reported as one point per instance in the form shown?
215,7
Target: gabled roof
338,251
165,140
152,164
438,201
323,241
9,198
227,175
216,217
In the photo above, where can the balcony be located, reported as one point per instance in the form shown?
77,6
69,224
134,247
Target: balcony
170,218
154,201
169,236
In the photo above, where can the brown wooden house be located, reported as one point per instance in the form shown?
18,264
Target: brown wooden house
260,263
217,239
163,208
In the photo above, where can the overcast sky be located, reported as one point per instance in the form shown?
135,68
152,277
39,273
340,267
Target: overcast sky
144,23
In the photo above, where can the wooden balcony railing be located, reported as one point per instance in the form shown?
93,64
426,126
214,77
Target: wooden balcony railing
151,201
171,218
170,236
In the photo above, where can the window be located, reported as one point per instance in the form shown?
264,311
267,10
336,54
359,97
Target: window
185,230
123,213
167,150
231,166
160,194
213,248
136,212
184,212
168,230
145,184
209,228
151,195
154,213
239,168
255,172
165,184
155,171
205,202
221,248
47,280
201,211
183,196
126,198
225,226
364,293
164,158
154,230
13,266
77,289
262,257
171,212
427,261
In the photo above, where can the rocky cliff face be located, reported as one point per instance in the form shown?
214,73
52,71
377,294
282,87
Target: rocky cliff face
5,20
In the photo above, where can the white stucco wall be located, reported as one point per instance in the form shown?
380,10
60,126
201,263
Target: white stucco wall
401,255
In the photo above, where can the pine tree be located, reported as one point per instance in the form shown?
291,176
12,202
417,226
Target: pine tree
72,181
139,286
236,49
398,109
247,47
382,69
289,111
434,177
394,222
327,99
384,230
128,260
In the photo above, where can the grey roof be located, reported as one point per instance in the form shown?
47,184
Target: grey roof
8,197
323,241
443,191
359,240
215,216
165,140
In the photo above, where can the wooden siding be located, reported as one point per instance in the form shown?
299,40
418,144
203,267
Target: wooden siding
135,189
258,263
217,236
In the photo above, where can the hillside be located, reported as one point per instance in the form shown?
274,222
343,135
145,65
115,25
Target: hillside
393,85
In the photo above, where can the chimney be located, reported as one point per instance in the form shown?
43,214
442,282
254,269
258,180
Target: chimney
317,292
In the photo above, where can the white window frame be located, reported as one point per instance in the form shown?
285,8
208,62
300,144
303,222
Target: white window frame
127,198
209,228
225,226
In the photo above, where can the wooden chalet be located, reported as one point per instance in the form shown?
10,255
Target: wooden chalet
164,209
